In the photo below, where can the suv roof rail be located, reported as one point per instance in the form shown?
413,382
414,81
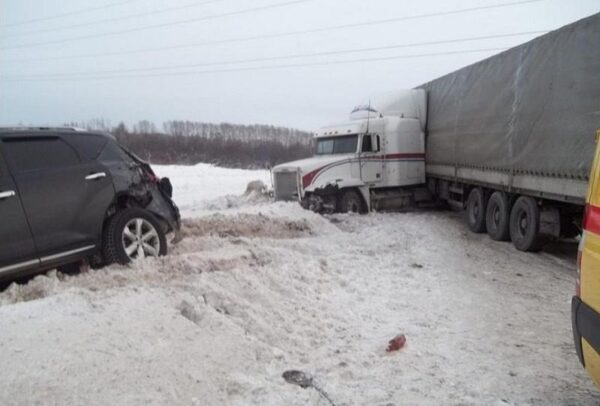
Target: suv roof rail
21,128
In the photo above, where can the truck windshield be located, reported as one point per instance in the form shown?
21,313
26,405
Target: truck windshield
337,145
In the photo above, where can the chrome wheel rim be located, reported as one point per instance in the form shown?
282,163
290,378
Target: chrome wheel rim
140,239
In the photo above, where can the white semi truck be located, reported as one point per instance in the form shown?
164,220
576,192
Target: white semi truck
509,139
370,162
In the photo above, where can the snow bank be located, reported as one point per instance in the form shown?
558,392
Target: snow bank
205,187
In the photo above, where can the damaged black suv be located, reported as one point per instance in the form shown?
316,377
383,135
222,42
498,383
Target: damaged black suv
69,197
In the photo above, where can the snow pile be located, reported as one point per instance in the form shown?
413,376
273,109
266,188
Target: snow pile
265,288
203,187
249,225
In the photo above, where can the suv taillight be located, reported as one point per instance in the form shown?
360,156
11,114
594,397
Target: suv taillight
152,178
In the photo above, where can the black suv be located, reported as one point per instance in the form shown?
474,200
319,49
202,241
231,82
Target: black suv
68,196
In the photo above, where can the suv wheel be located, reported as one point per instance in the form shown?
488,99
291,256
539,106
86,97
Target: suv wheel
133,234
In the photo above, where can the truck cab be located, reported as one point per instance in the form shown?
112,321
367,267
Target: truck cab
376,154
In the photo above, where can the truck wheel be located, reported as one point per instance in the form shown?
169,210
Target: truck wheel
525,225
351,202
497,216
132,234
476,211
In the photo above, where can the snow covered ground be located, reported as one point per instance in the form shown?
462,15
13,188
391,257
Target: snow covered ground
257,288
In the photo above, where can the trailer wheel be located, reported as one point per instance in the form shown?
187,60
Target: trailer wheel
476,211
525,225
497,216
351,202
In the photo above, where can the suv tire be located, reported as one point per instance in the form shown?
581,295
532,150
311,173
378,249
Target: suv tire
131,234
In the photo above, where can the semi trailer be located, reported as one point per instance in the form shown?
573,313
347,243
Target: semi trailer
509,139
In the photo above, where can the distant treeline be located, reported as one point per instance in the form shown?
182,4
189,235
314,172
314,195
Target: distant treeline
224,144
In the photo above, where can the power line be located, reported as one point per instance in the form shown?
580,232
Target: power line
269,36
162,25
275,58
67,14
257,68
114,19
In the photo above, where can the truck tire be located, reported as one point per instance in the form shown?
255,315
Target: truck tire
351,202
131,234
524,225
497,216
475,212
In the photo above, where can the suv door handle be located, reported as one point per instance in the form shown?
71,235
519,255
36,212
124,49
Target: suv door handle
7,194
95,176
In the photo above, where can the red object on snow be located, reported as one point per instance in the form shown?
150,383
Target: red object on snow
396,343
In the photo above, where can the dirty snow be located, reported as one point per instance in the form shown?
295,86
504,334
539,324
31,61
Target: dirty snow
257,288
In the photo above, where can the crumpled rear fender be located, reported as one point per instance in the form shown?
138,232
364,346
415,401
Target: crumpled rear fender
132,188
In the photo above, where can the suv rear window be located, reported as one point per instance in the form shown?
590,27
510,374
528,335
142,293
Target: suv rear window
27,154
88,145
112,152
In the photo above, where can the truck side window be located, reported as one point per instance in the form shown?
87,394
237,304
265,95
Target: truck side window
367,144
29,154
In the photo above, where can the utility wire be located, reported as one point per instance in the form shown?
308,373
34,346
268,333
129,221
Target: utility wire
276,58
114,19
257,68
267,36
67,14
162,25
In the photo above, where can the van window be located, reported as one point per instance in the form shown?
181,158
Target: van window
28,154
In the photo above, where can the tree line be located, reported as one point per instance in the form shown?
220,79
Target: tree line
222,144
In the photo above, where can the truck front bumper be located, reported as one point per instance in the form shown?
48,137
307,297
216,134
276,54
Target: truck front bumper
586,324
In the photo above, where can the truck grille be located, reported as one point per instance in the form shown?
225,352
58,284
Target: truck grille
286,186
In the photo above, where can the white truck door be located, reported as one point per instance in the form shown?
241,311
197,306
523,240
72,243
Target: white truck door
371,159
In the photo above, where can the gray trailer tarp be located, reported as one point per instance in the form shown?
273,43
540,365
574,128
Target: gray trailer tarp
525,118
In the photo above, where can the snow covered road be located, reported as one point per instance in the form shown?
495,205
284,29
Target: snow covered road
257,288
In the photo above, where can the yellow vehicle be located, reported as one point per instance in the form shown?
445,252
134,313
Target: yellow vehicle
585,307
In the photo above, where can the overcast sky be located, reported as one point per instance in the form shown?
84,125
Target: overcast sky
50,75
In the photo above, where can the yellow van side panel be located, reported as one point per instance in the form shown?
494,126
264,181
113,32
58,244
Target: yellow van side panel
590,268
590,271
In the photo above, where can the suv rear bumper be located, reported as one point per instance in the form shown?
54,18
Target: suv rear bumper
586,324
